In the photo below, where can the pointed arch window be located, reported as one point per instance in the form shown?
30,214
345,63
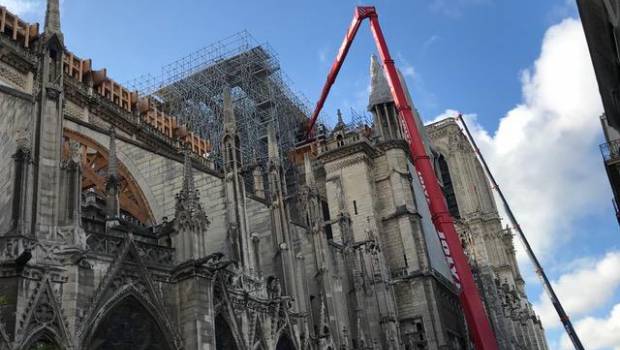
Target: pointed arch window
94,159
44,343
448,187
224,339
340,140
285,343
128,326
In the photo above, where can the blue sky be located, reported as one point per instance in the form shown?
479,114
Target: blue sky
518,69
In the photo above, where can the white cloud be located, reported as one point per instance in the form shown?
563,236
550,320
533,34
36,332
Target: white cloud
433,38
598,333
24,7
405,67
428,43
544,153
408,71
583,290
323,55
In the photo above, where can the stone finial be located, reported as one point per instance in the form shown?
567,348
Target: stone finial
112,161
191,221
340,124
52,17
188,200
379,88
74,151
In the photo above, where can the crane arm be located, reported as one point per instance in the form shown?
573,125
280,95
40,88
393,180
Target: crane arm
358,17
478,324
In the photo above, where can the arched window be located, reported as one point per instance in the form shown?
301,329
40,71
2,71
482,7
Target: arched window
128,326
229,154
285,343
94,169
339,140
448,188
224,339
44,343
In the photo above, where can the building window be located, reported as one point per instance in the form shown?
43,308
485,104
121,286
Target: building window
456,342
355,207
414,336
448,188
326,218
340,140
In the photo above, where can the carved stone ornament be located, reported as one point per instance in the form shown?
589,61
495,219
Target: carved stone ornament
22,139
53,92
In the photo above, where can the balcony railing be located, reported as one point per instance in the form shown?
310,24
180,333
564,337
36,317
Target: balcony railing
610,150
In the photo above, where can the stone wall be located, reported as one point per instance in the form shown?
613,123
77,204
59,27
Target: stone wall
160,178
259,223
13,78
350,189
16,113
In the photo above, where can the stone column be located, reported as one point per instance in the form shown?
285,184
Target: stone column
195,304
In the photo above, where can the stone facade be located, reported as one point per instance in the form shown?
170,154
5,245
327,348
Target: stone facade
488,245
115,235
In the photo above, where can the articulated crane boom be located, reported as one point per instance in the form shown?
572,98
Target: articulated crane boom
478,324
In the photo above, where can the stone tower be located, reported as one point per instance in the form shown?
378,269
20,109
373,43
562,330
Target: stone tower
488,245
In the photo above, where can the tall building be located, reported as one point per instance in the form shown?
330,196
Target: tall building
601,21
487,244
124,224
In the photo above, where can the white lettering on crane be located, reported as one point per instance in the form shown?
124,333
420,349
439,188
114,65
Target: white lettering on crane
451,263
441,235
428,198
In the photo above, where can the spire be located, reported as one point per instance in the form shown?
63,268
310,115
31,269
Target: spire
403,83
379,87
416,115
308,170
272,143
340,124
191,221
229,113
188,197
52,18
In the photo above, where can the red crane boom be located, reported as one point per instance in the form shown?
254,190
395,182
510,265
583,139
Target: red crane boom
478,324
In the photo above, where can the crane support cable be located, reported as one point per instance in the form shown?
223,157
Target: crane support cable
568,326
478,323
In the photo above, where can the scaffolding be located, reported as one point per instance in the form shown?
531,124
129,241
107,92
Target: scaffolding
190,89
360,119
